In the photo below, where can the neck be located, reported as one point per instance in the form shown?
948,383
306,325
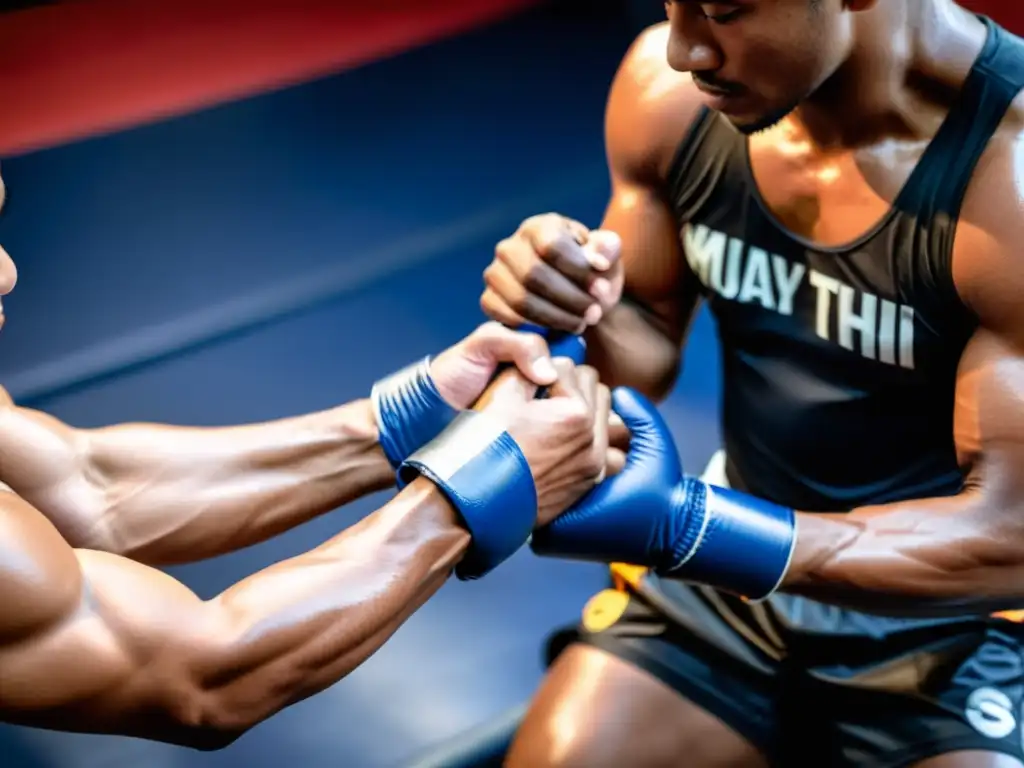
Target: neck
906,63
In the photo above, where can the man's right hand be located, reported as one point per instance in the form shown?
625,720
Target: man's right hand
564,436
556,273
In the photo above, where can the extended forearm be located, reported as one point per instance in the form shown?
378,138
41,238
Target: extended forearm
172,494
302,625
955,555
631,347
166,665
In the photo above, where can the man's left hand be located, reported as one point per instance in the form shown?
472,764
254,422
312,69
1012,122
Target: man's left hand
414,405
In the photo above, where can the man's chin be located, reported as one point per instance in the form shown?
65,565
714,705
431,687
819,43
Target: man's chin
748,125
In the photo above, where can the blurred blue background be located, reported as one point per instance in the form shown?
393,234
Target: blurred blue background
275,255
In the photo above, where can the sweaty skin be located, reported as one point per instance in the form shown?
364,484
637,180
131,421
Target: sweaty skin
164,494
98,643
93,639
95,642
922,557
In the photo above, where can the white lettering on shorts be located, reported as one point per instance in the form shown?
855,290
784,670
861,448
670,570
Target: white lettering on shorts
990,713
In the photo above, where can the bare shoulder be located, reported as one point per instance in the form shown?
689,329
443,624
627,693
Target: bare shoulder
650,108
988,260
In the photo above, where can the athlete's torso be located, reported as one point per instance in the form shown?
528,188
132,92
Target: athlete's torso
840,363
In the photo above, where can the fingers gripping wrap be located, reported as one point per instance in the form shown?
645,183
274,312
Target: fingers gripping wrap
410,411
560,344
484,474
572,347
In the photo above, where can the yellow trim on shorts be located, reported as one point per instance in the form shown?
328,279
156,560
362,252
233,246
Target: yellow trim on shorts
1015,616
626,576
604,609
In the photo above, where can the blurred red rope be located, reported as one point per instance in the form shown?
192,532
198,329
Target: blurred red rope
83,67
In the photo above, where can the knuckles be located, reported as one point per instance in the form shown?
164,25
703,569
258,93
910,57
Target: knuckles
489,276
489,331
549,234
553,243
506,249
540,222
594,467
577,418
535,277
528,253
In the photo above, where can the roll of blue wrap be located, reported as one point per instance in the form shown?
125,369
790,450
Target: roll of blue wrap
572,347
560,343
410,411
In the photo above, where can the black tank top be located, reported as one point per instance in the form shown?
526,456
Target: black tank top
839,363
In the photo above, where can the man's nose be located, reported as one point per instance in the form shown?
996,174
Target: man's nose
689,49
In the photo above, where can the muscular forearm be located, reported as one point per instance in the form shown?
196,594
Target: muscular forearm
164,665
169,494
955,555
942,556
303,624
630,347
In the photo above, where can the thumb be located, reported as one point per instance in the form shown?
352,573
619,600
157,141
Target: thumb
650,438
603,249
495,344
639,414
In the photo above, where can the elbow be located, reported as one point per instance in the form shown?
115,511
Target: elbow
215,714
196,720
661,387
208,727
653,378
209,739
986,570
209,715
654,384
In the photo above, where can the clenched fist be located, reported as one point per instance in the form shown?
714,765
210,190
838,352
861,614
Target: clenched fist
556,273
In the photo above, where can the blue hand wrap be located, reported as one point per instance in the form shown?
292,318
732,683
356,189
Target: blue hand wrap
572,347
410,411
560,344
485,476
730,540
